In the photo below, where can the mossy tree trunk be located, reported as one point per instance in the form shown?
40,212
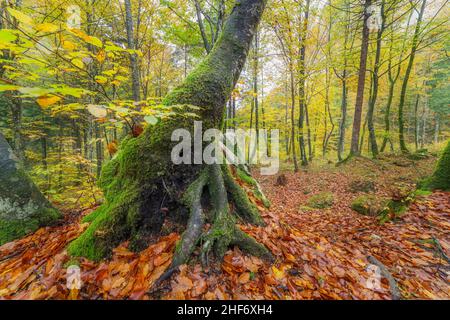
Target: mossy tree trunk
143,187
441,175
23,208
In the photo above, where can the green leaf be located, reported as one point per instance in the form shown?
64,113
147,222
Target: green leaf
97,111
151,120
8,87
8,35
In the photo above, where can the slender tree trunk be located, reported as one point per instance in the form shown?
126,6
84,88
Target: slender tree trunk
354,149
412,54
135,77
301,87
416,123
424,126
387,118
255,85
341,141
375,79
436,128
201,26
293,137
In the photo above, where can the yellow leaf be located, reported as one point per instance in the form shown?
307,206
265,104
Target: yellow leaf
101,55
89,39
68,45
47,100
277,273
101,79
78,63
47,27
20,16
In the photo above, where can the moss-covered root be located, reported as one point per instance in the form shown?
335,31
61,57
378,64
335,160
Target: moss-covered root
244,208
245,176
224,231
192,199
250,245
441,176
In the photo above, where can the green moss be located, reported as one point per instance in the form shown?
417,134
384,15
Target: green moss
369,205
17,228
245,209
242,175
362,186
321,200
422,193
249,245
110,223
306,208
441,176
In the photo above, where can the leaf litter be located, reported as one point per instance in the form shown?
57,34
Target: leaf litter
320,254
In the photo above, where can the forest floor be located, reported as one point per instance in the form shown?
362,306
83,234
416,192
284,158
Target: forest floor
320,253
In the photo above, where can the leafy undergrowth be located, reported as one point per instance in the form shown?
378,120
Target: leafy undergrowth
320,253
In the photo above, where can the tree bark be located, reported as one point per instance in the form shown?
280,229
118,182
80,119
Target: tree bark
135,78
401,125
23,208
354,148
301,85
375,79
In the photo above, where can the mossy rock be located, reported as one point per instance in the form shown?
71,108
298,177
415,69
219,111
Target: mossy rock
402,162
23,208
441,176
369,205
362,186
321,200
418,155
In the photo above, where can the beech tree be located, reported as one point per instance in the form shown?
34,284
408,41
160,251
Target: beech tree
141,179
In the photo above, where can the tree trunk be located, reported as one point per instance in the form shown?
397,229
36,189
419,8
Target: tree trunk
406,78
416,123
387,116
374,95
294,154
436,128
354,149
340,148
23,208
135,78
301,85
143,186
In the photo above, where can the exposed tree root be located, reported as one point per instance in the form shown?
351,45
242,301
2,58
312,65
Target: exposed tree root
223,232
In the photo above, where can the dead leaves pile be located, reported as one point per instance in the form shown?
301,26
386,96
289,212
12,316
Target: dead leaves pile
35,267
320,254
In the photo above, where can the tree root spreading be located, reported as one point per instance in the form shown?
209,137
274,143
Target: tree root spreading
223,232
